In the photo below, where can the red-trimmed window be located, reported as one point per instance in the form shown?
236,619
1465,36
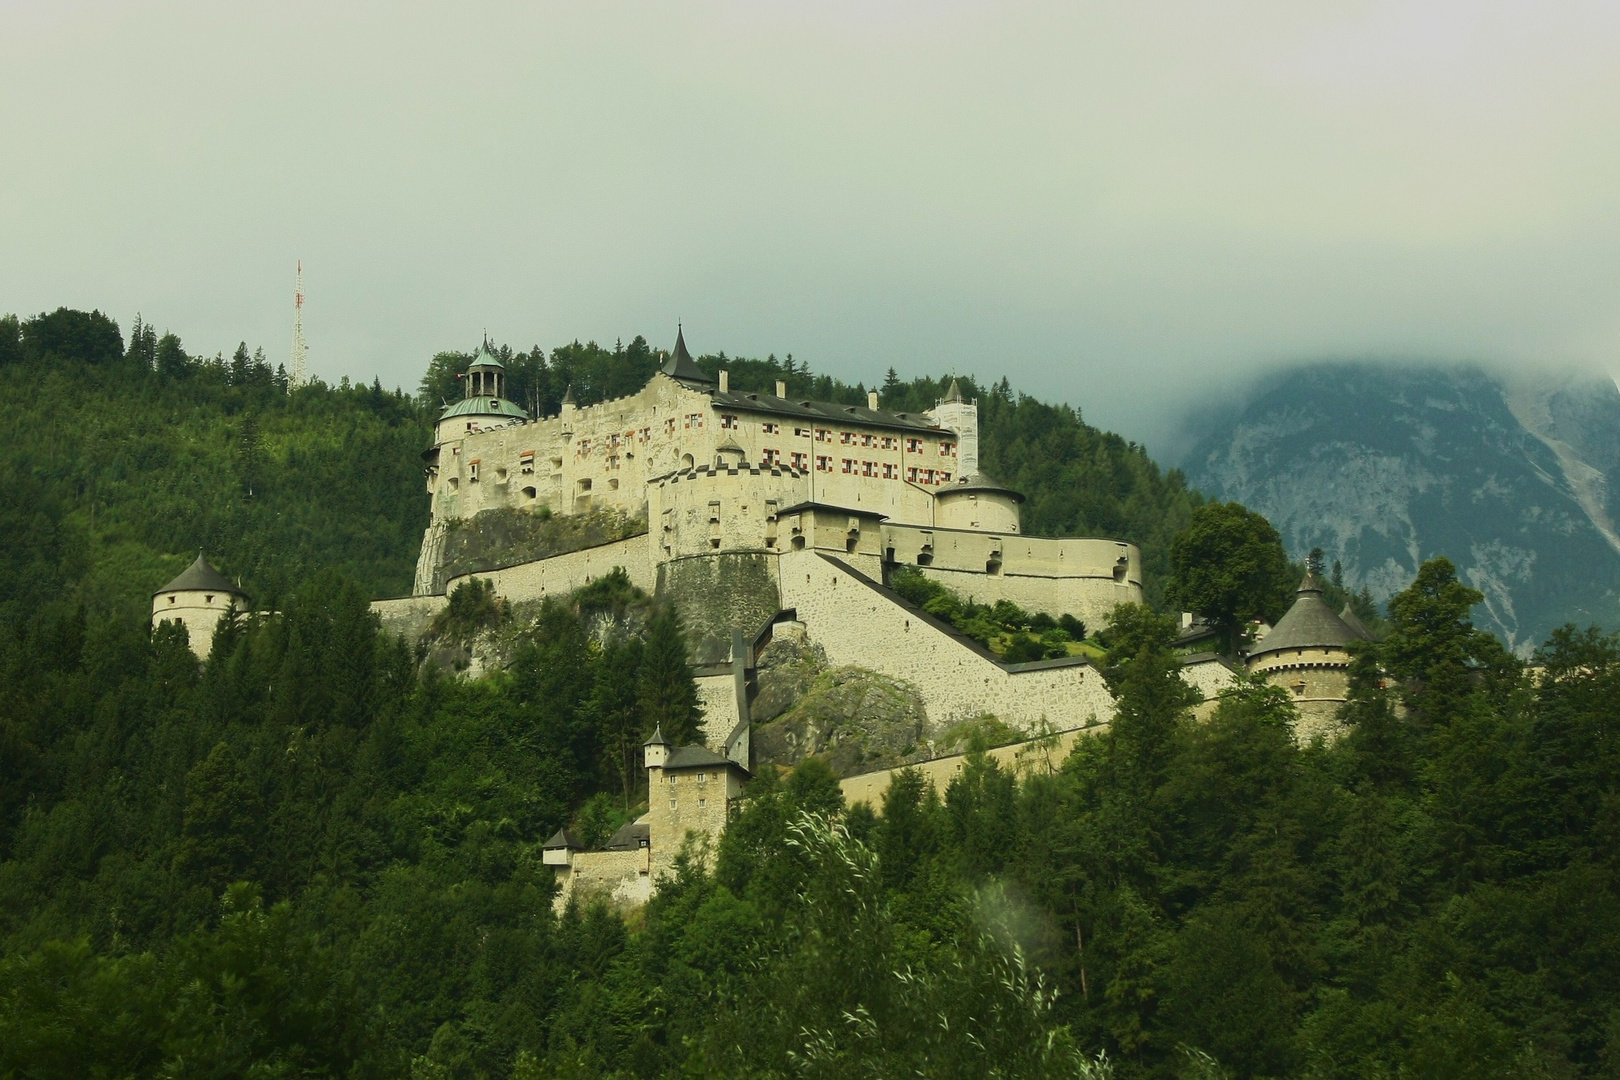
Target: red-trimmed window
798,459
823,463
947,449
849,465
728,422
913,446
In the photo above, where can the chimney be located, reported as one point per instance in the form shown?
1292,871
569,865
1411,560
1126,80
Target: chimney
871,399
781,388
725,381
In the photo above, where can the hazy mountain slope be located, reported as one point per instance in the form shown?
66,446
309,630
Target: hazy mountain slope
1383,467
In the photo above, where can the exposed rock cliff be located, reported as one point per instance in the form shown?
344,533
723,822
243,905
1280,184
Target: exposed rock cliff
1384,466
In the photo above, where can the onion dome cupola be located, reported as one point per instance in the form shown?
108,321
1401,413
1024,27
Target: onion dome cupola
682,368
1310,629
486,389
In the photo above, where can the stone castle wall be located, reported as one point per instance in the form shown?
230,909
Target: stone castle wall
857,623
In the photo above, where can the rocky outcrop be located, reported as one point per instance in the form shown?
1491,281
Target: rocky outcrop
500,538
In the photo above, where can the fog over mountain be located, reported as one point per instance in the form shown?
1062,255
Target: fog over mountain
1386,465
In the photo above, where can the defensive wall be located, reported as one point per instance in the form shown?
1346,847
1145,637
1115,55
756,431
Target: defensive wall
1041,755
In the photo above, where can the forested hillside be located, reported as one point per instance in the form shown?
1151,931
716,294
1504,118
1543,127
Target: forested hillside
121,462
312,856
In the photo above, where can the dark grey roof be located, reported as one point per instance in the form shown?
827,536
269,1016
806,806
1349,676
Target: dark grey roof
632,836
823,411
680,364
1353,621
562,840
200,577
954,395
856,511
657,737
975,484
694,757
1309,624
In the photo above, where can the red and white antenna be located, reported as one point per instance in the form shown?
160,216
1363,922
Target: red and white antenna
296,376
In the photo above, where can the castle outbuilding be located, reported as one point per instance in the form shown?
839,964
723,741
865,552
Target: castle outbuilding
690,791
197,599
1308,653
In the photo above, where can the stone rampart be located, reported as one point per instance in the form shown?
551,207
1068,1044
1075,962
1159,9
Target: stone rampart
1043,755
562,574
859,622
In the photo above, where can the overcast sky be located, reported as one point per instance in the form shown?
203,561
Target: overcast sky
1122,205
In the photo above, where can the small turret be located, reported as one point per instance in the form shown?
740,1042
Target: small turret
960,417
197,599
655,751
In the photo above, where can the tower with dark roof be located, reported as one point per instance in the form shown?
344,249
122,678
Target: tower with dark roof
1308,653
682,368
197,599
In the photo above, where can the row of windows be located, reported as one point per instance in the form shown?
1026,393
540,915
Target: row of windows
732,422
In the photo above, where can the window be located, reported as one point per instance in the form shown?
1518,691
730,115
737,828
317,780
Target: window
694,420
703,778
928,476
911,474
672,804
669,425
823,463
866,439
770,428
823,435
889,470
944,477
171,599
208,598
585,484
472,471
728,422
846,437
849,465
947,449
801,432
798,460
771,457
913,446
868,468
526,461
703,804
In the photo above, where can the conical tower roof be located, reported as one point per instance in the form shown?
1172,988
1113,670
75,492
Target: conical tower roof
680,364
1309,624
1353,621
201,577
485,358
658,737
954,394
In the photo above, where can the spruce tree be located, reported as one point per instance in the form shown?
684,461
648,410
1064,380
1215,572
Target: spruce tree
667,695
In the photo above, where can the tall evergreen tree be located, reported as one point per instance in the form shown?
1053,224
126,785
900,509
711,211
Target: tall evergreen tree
666,694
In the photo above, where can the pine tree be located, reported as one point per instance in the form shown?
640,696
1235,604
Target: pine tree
667,695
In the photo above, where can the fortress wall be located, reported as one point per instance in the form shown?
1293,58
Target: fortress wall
1292,658
689,511
717,697
859,624
1091,600
562,574
1317,693
716,594
624,878
1023,759
408,616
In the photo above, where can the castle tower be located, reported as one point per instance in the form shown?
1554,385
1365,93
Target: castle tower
961,417
1308,654
197,600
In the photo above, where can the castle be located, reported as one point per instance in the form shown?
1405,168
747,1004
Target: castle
767,518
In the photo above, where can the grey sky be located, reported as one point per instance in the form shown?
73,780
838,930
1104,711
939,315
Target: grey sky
1120,205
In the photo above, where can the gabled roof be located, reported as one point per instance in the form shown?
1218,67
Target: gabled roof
695,757
681,366
977,484
1309,624
823,411
629,838
562,840
200,577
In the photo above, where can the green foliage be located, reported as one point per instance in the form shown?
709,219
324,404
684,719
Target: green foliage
473,606
1005,628
120,464
666,694
1229,567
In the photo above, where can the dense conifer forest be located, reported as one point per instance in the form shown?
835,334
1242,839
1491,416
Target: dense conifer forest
309,857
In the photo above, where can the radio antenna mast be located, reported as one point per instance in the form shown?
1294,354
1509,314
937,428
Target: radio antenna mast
295,377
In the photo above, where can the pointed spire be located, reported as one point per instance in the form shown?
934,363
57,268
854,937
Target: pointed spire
954,395
1311,585
568,395
658,737
680,364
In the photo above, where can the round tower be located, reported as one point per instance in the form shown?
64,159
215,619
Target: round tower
1308,654
979,503
197,600
485,405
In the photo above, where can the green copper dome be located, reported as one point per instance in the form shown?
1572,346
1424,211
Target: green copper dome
486,406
